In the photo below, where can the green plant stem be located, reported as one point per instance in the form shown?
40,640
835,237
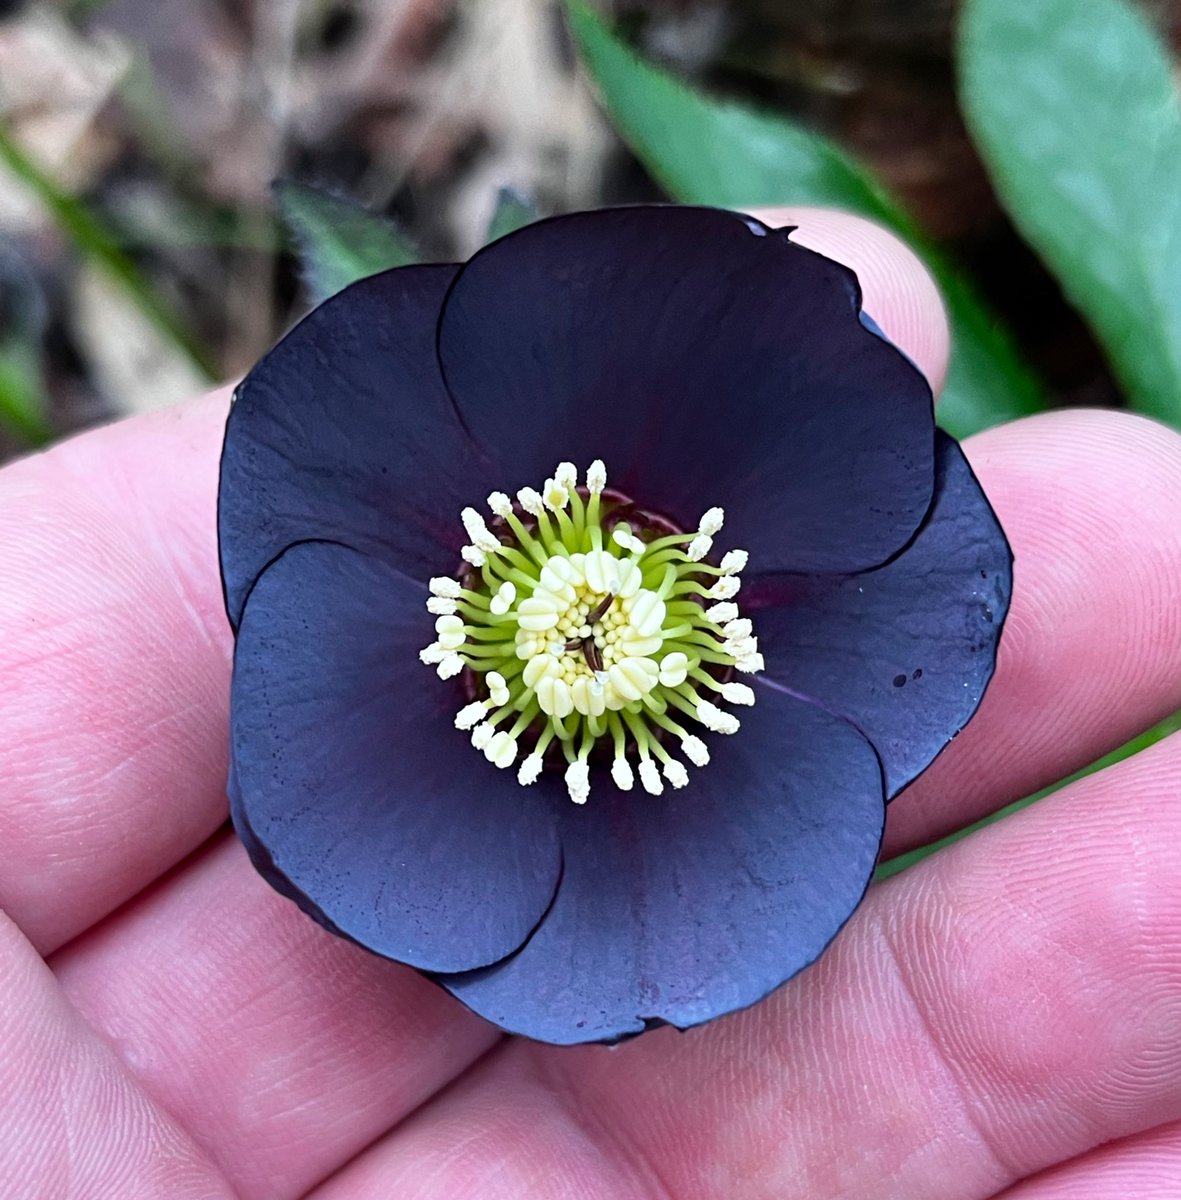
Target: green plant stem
1142,741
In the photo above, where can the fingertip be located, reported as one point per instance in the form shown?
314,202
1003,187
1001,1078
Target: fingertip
897,289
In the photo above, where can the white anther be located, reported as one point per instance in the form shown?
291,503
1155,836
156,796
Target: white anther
432,654
449,667
530,500
501,751
497,688
711,521
738,693
647,613
471,715
599,569
566,476
577,566
554,495
529,770
633,678
674,669
699,547
450,631
632,646
475,527
621,773
650,777
441,585
734,561
741,647
742,627
554,582
696,751
482,735
752,665
505,596
473,555
440,606
537,668
553,696
675,773
578,781
629,578
538,612
726,588
596,477
559,567
721,613
622,536
500,504
715,719
587,694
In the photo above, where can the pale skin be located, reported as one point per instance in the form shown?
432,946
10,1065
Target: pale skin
1002,1020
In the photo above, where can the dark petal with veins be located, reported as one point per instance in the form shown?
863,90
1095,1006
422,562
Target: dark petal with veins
344,432
707,360
682,907
350,786
905,651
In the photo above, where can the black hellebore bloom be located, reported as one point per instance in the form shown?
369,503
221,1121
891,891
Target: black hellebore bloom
677,361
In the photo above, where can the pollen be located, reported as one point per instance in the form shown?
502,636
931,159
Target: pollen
588,634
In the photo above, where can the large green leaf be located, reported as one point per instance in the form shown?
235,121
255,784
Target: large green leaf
705,150
1075,107
338,240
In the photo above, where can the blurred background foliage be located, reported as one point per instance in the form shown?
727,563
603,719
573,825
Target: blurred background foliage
180,179
1023,148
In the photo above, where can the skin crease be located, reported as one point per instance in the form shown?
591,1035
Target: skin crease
1002,1020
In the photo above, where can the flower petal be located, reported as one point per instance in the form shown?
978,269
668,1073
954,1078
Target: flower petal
707,360
684,907
905,651
344,432
351,788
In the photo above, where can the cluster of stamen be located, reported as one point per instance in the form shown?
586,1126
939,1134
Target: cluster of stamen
580,622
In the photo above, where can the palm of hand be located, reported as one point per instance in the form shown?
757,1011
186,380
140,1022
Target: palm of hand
984,1025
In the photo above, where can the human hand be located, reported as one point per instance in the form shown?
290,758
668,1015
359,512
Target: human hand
1005,1007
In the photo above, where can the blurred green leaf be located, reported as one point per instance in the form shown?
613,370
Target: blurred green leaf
1160,731
23,401
1075,107
705,150
94,239
513,211
338,240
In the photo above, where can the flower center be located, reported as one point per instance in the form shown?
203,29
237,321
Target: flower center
582,621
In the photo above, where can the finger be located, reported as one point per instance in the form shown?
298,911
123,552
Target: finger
1091,652
72,1124
897,290
114,652
1147,1167
1005,1005
282,1049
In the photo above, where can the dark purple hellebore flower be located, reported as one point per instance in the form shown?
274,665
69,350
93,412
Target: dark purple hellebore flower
702,359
